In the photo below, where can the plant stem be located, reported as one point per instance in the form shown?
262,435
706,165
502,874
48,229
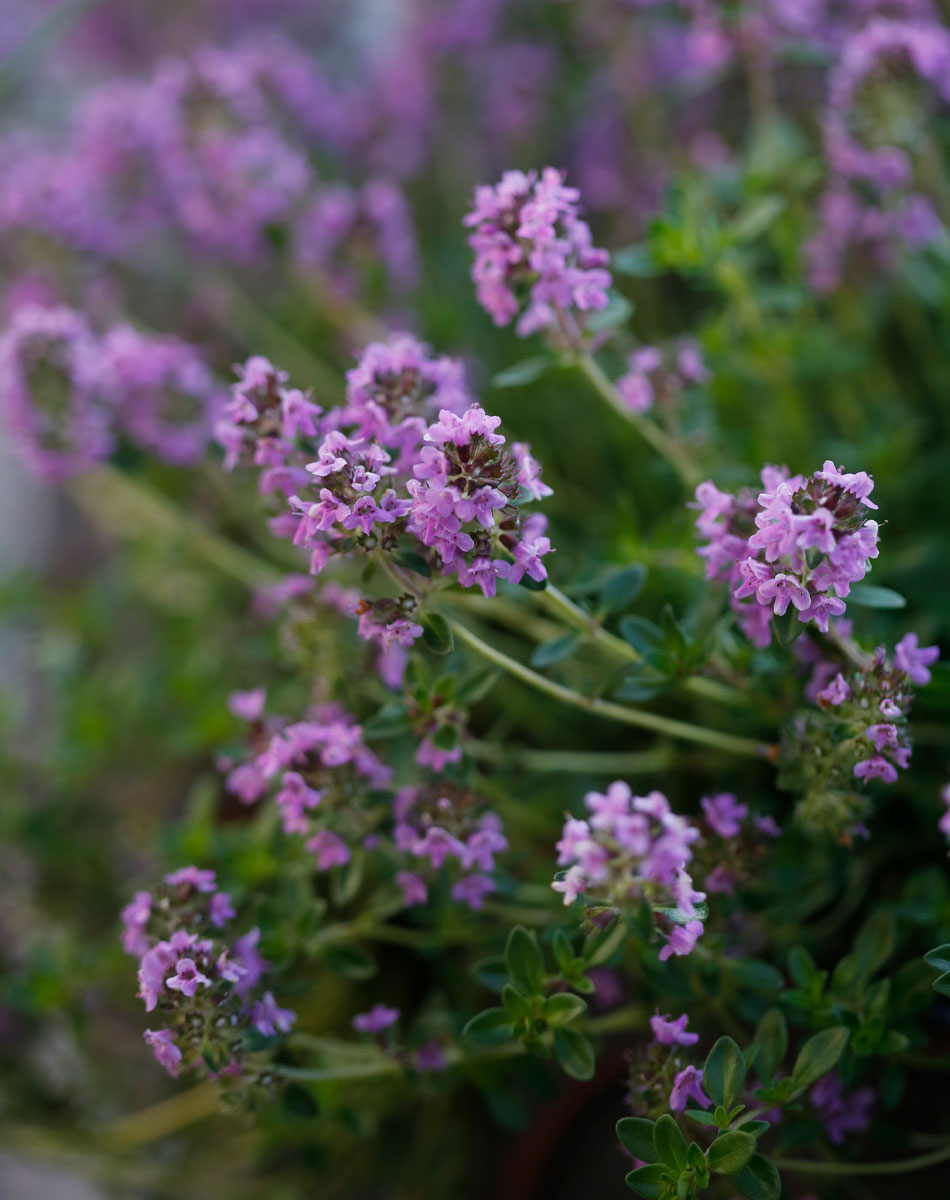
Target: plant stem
880,1168
586,623
164,1118
630,1017
607,709
119,502
658,439
575,762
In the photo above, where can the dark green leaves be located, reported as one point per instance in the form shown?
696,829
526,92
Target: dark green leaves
771,1042
524,961
939,959
649,1182
818,1056
868,595
669,1143
352,962
526,371
574,1053
731,1151
636,1134
562,1008
437,634
622,589
724,1072
552,652
489,1027
759,1179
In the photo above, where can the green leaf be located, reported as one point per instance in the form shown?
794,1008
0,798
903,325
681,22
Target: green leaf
876,940
412,561
618,312
574,1052
756,218
490,1027
636,1134
623,588
818,1056
759,1179
702,1117
939,958
771,1038
869,595
669,1143
389,721
525,371
491,972
801,966
787,627
649,1182
942,984
563,1008
724,1072
437,634
556,651
352,962
641,634
634,260
756,1128
757,976
524,961
730,1151
518,1007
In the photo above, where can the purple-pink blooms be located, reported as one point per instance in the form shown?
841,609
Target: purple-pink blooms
378,1018
688,1085
667,1032
533,253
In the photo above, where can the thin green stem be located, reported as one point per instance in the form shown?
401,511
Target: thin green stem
574,762
120,503
919,1163
671,450
555,599
630,1017
605,708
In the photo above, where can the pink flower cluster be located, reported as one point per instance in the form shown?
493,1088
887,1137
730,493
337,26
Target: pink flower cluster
534,254
204,986
382,472
436,825
648,376
632,848
318,770
67,394
311,768
800,543
216,150
872,202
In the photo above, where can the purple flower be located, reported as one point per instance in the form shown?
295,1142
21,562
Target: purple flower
875,768
269,1019
248,705
192,877
221,910
472,890
413,887
669,1032
330,850
688,1085
187,978
430,1057
914,659
682,939
842,1114
250,962
836,692
163,1046
376,1020
724,813
530,243
135,917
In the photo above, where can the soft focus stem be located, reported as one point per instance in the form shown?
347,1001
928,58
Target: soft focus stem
675,455
630,1017
605,708
808,1166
